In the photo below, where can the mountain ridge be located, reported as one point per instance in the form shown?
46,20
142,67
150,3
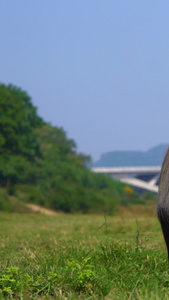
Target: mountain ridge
152,157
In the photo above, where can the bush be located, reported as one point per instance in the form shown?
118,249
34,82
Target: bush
11,204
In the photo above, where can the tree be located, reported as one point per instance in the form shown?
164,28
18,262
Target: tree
18,119
18,140
54,143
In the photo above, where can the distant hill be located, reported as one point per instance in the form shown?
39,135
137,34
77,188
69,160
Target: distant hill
152,157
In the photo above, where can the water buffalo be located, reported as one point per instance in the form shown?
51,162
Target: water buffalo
163,200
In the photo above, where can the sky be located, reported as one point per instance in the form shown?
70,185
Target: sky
99,69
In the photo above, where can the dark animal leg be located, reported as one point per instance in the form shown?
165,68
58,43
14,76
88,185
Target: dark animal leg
163,200
164,220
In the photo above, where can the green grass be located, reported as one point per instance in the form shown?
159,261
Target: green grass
82,257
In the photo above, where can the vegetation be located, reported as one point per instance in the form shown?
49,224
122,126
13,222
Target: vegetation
82,257
39,164
69,256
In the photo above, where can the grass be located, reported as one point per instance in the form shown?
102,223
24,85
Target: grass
83,257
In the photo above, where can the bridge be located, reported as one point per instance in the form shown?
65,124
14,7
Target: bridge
141,178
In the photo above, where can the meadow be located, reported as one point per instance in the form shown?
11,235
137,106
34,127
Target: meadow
83,256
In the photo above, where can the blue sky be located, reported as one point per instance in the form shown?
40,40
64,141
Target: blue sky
99,69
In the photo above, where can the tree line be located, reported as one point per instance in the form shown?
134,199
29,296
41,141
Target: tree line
39,164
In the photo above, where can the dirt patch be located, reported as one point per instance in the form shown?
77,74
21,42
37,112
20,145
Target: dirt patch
42,210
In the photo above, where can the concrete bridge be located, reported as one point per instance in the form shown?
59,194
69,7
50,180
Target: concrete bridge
141,178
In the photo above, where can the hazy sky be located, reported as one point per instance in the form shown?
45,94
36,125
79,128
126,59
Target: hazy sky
99,69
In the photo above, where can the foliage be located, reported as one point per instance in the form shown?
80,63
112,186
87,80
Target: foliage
18,140
18,119
39,163
11,204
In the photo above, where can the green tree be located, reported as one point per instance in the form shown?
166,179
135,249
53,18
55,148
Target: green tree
18,119
18,139
55,144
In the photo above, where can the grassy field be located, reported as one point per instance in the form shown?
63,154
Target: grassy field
83,256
